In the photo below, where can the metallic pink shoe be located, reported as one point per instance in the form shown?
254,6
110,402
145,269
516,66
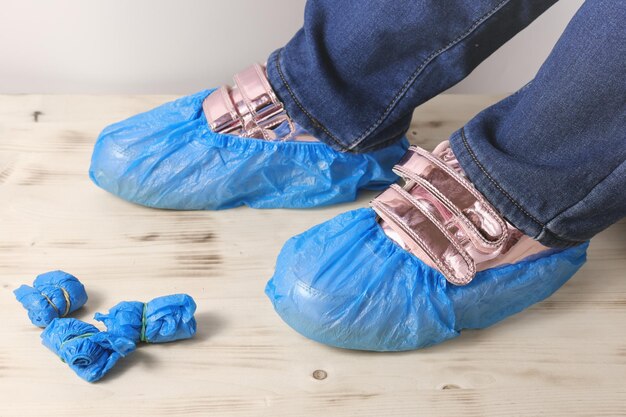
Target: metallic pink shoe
432,257
455,230
229,147
250,109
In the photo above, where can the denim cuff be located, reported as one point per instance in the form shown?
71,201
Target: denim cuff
511,208
283,88
286,90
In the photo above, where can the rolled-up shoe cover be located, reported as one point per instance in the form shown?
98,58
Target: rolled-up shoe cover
89,352
53,294
161,320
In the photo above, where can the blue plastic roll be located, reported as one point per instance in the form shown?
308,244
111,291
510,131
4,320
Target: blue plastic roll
345,283
53,294
89,352
161,320
169,158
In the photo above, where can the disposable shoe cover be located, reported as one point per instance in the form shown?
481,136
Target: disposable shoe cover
161,320
89,352
53,294
346,284
169,158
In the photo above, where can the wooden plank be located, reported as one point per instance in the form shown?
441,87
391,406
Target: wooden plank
563,357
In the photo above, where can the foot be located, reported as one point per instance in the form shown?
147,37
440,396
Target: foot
428,259
228,147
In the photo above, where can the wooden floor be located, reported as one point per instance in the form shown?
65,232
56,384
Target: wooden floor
563,357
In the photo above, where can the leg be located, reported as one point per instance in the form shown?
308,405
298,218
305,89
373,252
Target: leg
441,254
345,88
373,62
551,157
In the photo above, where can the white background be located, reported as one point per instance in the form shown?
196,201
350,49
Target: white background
178,47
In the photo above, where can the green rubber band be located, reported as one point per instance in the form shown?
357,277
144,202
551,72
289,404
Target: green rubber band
68,303
142,337
50,302
82,336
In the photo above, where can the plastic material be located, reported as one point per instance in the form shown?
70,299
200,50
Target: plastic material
88,352
53,294
346,284
169,158
161,320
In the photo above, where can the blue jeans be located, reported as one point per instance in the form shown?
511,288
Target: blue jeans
551,157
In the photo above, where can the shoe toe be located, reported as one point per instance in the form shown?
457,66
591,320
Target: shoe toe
343,283
150,158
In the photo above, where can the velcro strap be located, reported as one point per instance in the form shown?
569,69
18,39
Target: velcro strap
250,108
221,113
416,223
257,93
477,217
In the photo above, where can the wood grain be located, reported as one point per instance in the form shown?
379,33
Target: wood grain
563,357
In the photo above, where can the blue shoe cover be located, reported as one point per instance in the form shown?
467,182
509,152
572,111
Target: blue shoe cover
53,294
345,283
88,351
161,320
169,158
